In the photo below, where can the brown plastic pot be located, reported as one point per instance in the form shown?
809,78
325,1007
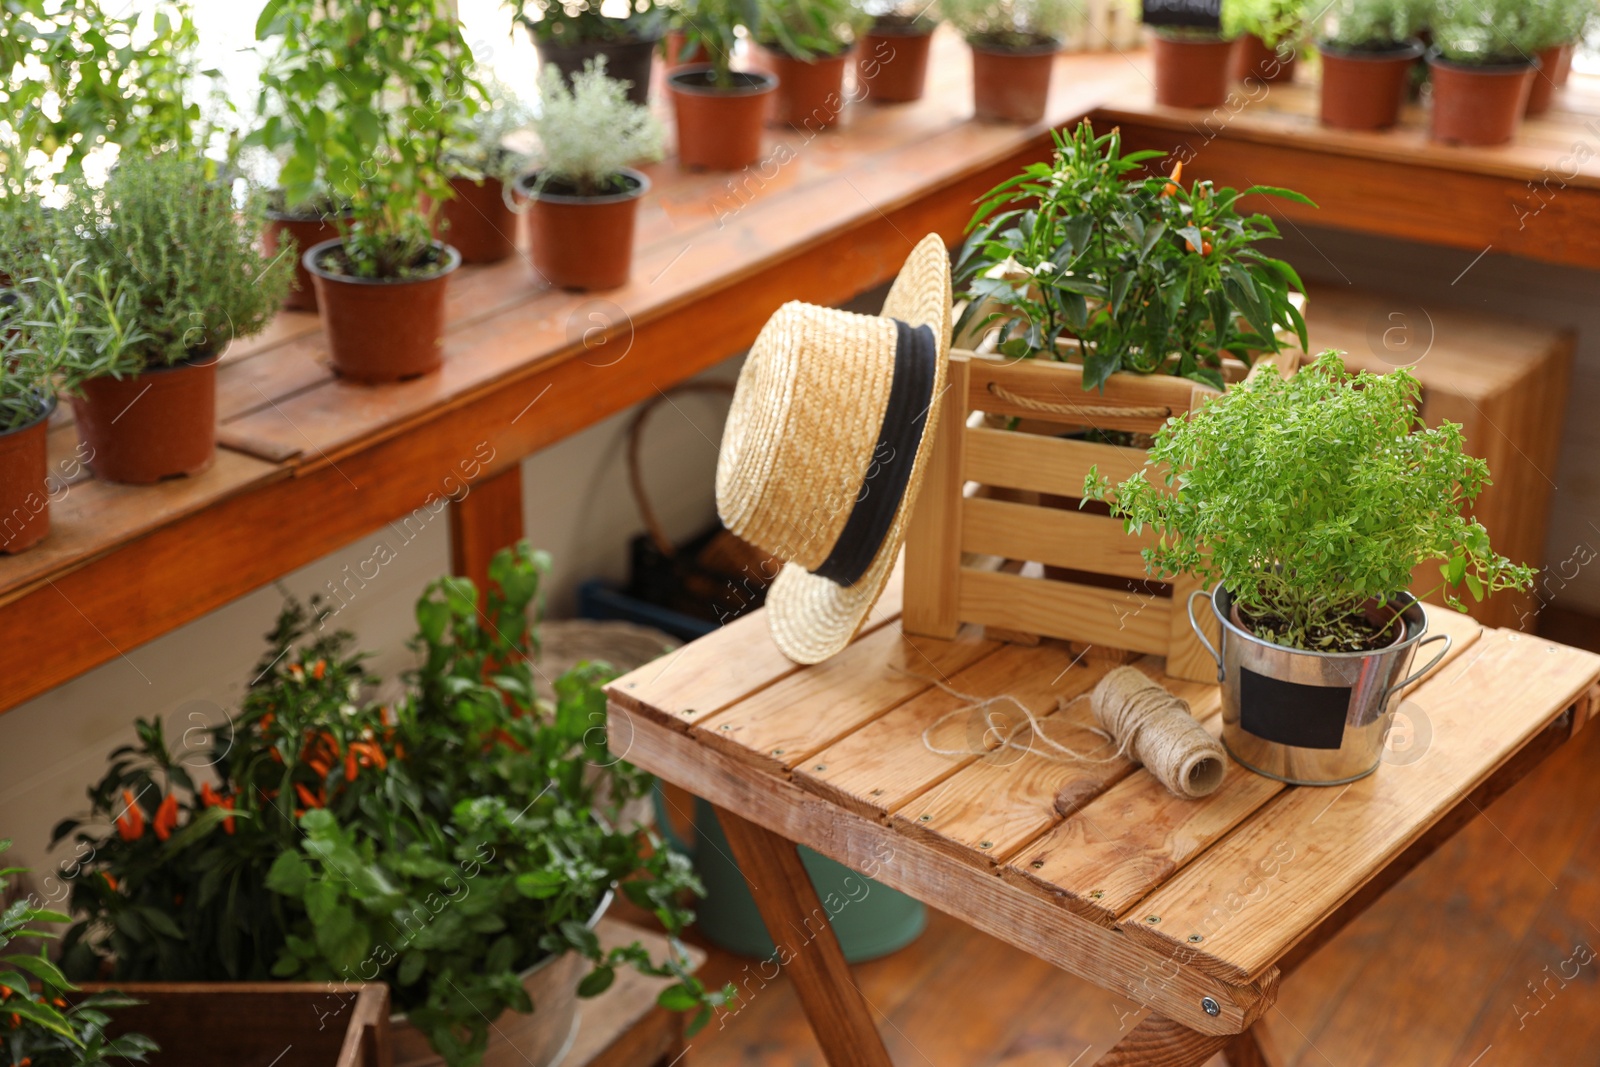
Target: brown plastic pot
1563,69
627,59
1253,59
478,222
307,230
1542,90
1478,105
157,425
1364,90
810,91
24,492
892,64
382,330
1012,84
583,242
719,129
1191,71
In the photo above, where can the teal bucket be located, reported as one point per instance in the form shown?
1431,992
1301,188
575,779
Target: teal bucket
868,918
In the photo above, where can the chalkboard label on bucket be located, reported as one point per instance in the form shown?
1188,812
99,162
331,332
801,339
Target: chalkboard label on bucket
1191,14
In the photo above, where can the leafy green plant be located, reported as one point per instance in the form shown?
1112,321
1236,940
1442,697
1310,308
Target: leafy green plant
39,1026
807,29
1273,21
158,267
362,96
574,22
1370,25
901,15
477,147
1126,273
1557,22
714,25
589,131
443,844
1012,23
1485,32
1310,496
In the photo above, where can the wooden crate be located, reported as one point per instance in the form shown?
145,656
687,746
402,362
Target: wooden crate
980,499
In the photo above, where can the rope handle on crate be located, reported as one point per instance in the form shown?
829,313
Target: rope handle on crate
1078,411
636,434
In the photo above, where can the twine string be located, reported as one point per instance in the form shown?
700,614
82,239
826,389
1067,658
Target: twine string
1078,411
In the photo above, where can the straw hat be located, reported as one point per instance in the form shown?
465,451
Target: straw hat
826,445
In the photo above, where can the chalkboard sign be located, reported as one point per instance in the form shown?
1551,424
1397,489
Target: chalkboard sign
1292,713
1192,14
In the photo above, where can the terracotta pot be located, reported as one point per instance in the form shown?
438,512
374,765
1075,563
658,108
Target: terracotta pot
892,65
157,425
307,230
1478,105
382,330
478,222
810,92
719,129
1542,90
627,60
1191,72
1012,85
676,56
1364,90
1252,58
582,242
24,489
1564,66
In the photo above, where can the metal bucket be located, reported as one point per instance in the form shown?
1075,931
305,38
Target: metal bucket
1310,718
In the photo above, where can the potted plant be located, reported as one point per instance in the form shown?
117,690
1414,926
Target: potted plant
479,220
291,229
1560,25
457,843
719,111
1267,35
892,62
43,1020
1482,69
1014,45
1307,504
806,44
135,329
1368,49
1192,66
568,34
584,198
366,116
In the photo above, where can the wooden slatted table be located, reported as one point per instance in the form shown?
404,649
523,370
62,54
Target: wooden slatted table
1194,909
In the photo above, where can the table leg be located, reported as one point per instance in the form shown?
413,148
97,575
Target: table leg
1160,1042
1243,1050
483,522
807,949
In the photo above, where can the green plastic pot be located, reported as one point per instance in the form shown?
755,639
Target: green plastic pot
869,919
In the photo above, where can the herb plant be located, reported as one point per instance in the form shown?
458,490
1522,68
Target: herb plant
1124,273
714,25
1307,497
900,15
1486,32
1273,21
1012,24
477,147
590,131
38,1025
574,22
362,96
1558,22
443,844
807,29
1370,25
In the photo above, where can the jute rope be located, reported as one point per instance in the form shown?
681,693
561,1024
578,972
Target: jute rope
1078,411
1148,724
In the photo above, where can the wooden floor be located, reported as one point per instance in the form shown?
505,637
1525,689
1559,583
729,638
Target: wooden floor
1483,957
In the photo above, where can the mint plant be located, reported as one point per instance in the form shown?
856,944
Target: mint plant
1311,496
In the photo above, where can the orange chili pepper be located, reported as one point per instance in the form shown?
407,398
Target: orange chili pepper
1172,182
319,670
110,881
320,766
130,824
350,763
297,670
312,800
371,755
211,799
166,816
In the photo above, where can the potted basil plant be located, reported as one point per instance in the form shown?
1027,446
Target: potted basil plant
366,116
584,196
1014,45
1483,65
1307,504
479,219
1368,48
567,35
892,61
719,111
1267,35
807,44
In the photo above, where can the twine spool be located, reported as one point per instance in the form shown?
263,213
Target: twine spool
1155,728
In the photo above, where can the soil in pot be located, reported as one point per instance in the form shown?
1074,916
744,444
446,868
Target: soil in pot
1191,71
810,92
583,242
1373,629
1542,90
1012,84
478,222
380,329
307,229
1254,59
892,64
24,494
160,424
1364,90
627,59
1478,105
719,129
